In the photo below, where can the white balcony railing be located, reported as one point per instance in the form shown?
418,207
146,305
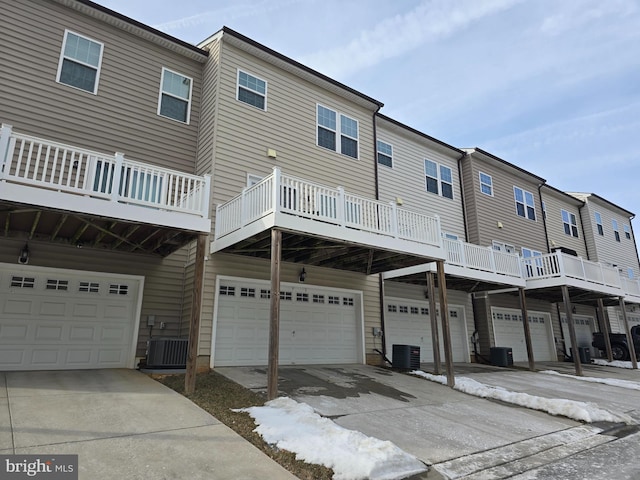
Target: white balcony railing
41,163
486,259
280,193
558,264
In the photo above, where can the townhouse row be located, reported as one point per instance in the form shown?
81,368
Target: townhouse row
123,148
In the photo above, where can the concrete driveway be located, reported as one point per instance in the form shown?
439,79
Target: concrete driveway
122,424
456,433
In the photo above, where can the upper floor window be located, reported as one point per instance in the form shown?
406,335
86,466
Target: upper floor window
385,153
438,179
616,233
599,223
175,96
627,232
330,123
503,247
525,206
252,90
569,223
80,61
253,179
486,184
630,273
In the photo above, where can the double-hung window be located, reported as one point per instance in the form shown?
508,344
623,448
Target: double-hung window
252,90
385,154
175,96
616,233
330,125
569,223
627,232
438,179
525,205
80,61
486,184
598,219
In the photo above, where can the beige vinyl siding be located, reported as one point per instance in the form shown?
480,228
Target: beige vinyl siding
163,292
607,249
501,207
244,133
555,203
206,136
470,189
247,267
406,180
122,117
417,292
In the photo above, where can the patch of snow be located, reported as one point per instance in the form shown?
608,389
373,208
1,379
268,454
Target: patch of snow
606,381
615,363
581,411
352,455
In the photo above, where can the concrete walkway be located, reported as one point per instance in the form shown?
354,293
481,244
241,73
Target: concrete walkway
122,424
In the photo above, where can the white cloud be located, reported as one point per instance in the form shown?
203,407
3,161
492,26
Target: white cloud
581,14
431,19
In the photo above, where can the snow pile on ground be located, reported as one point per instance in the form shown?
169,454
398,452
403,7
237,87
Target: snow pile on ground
615,363
581,411
352,455
606,381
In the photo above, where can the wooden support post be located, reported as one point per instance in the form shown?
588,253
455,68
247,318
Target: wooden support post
527,329
605,328
632,349
274,316
196,307
435,338
572,330
444,318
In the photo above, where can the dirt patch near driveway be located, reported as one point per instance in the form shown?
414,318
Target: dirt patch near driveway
218,395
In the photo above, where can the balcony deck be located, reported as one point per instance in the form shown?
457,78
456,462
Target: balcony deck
329,214
467,261
55,176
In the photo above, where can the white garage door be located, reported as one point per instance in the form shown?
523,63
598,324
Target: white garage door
53,319
584,331
407,322
317,325
509,332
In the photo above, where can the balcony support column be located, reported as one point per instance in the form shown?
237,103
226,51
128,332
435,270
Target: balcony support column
625,321
572,329
527,328
274,315
435,338
605,329
196,307
444,318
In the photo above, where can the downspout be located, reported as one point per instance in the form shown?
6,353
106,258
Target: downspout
544,217
584,235
634,237
464,205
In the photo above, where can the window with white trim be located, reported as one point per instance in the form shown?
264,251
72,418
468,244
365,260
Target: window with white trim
525,205
253,179
503,247
385,153
630,273
174,101
569,223
80,61
252,90
531,263
486,184
330,123
627,232
616,233
438,179
598,219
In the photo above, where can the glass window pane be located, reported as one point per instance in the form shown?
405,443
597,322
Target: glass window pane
520,209
251,98
327,118
175,84
349,126
78,75
349,146
326,138
531,213
565,216
485,179
385,148
173,107
432,185
485,189
385,160
431,168
529,198
447,190
519,195
445,174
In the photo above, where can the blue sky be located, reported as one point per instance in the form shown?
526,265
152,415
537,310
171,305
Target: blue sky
552,86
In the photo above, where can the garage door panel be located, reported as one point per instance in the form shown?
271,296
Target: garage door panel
509,332
66,319
312,325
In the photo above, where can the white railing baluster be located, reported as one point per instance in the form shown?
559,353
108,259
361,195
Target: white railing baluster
6,153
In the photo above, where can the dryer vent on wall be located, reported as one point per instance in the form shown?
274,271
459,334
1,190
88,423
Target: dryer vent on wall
167,353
